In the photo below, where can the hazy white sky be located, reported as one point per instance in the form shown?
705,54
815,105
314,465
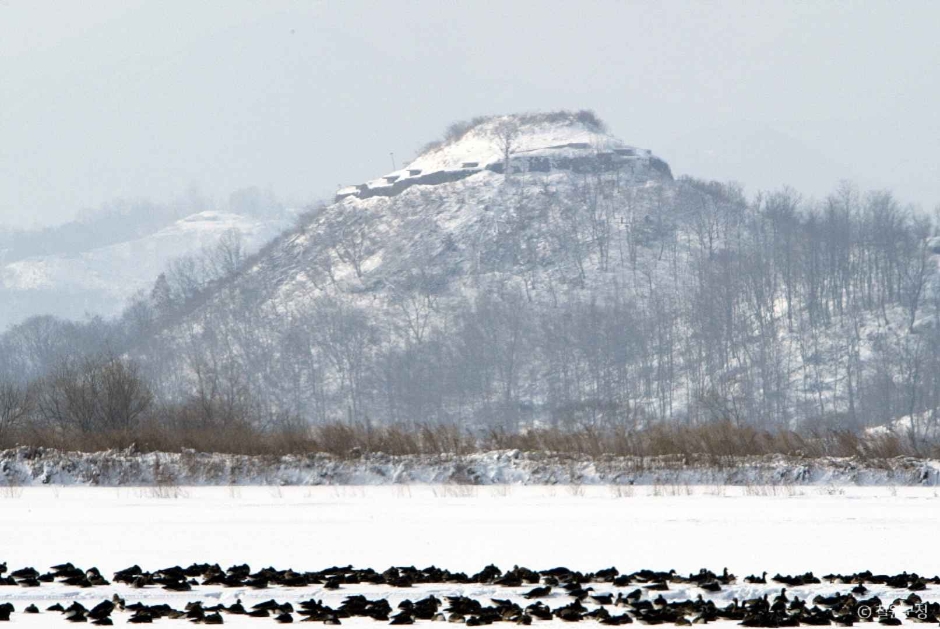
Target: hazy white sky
100,100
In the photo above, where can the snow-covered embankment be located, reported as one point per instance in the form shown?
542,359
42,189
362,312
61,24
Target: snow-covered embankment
38,466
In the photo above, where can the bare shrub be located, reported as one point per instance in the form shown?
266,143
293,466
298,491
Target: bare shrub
165,483
97,393
683,489
884,447
11,487
719,444
454,491
830,490
346,492
501,491
621,491
575,489
167,492
755,490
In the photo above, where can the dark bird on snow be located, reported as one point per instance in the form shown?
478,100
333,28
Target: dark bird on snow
538,592
25,573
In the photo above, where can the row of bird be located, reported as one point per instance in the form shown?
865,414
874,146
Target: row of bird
757,612
644,602
183,579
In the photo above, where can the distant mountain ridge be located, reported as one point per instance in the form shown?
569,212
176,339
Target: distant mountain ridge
80,275
121,221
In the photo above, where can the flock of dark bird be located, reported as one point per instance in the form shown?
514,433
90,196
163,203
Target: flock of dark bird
580,596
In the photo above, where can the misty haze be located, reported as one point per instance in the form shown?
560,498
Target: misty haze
681,260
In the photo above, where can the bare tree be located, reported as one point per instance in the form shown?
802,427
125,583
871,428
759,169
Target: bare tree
504,133
916,273
347,337
95,393
16,405
186,277
228,255
125,396
352,246
416,305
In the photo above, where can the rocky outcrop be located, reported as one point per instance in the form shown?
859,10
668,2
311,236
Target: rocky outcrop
538,146
626,160
364,191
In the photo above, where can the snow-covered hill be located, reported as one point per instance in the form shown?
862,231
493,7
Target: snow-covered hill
584,287
409,258
99,280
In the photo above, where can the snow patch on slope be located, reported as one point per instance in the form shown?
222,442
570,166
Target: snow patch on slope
480,145
99,281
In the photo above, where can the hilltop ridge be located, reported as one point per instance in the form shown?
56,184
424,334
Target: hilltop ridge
573,141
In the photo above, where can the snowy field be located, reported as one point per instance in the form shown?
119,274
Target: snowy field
788,530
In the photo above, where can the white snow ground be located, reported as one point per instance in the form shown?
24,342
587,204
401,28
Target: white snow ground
748,529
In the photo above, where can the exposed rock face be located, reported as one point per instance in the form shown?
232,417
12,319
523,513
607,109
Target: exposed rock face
364,191
536,147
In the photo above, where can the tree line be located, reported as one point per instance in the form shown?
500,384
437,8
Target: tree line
586,303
